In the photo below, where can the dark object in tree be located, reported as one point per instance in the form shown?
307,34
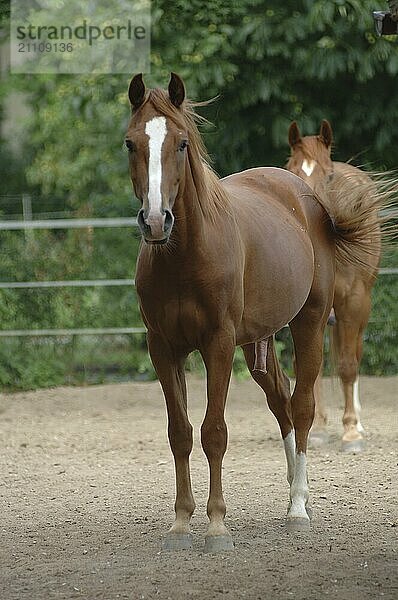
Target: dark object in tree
386,23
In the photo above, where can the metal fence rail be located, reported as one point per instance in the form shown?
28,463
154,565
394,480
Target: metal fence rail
104,282
388,271
30,224
67,332
68,283
69,223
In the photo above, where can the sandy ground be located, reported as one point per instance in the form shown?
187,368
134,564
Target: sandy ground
87,492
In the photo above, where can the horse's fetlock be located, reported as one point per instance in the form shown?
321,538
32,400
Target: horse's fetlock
185,507
216,507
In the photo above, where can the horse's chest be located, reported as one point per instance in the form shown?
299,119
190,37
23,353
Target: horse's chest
178,315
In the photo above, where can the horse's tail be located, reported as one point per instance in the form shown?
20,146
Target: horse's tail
361,208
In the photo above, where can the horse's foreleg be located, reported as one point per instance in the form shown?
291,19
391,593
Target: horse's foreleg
218,357
170,370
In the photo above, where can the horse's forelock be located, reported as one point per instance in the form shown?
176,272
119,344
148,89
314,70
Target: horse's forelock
313,148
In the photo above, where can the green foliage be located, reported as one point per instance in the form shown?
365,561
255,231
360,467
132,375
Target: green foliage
46,362
23,365
269,62
273,62
380,356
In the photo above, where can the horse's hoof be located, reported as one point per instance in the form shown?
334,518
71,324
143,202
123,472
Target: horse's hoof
308,510
177,541
298,524
318,438
353,447
218,543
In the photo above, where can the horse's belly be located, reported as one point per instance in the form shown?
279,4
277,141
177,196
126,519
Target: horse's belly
276,288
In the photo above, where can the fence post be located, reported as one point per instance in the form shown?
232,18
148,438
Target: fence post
27,216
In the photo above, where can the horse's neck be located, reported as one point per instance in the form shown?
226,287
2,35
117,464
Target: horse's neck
190,221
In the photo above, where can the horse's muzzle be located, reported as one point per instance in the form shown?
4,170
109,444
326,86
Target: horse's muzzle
155,227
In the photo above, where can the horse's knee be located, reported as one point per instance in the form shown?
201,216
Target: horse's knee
214,437
348,369
181,439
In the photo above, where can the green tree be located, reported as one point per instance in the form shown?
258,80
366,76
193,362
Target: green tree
269,62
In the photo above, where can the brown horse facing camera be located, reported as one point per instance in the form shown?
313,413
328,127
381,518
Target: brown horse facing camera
343,189
225,263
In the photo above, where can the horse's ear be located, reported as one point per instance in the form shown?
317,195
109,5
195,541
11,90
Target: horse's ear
176,90
136,91
326,133
294,134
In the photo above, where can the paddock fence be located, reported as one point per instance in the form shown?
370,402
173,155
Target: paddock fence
57,220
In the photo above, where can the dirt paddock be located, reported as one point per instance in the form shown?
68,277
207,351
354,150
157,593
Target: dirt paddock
87,491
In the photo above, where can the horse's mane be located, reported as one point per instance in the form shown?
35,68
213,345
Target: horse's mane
211,194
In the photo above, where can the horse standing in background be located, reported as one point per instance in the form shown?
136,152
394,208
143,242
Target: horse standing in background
225,263
344,190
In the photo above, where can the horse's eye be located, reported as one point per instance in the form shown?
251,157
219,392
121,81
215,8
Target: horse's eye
183,145
130,145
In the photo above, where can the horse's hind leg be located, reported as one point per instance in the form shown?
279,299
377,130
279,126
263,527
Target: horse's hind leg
276,386
318,434
170,370
307,330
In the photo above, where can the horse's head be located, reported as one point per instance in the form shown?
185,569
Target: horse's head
157,142
310,155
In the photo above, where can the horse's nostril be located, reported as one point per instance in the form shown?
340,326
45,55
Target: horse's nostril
141,220
168,220
140,216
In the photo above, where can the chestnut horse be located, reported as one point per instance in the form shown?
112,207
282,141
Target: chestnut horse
225,263
342,187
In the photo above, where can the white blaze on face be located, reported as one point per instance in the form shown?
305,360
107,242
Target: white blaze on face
156,131
308,167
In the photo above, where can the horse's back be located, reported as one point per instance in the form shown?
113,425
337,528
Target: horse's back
265,190
349,170
271,183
